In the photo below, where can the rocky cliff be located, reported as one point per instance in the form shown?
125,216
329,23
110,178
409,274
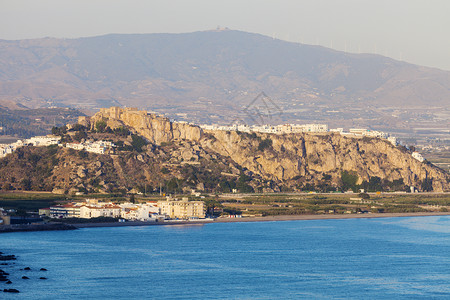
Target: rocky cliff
180,157
308,157
292,160
155,129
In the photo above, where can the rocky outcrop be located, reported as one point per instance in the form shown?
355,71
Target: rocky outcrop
305,156
181,157
36,227
312,155
156,129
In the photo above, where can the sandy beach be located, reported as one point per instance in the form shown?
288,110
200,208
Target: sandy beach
266,219
330,216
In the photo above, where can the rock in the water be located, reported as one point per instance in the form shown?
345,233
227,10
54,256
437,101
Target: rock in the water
42,278
10,291
25,277
7,257
43,269
8,282
27,269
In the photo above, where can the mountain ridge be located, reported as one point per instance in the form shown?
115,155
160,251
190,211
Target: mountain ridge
211,72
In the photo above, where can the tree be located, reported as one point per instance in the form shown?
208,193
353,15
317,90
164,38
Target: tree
25,184
100,125
138,142
79,136
364,196
427,185
265,144
349,180
6,186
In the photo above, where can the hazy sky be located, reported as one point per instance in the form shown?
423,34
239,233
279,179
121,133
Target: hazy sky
416,31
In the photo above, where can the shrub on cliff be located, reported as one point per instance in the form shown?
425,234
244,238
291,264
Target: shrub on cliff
138,142
265,144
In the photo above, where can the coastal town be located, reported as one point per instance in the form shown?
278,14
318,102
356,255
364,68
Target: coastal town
149,211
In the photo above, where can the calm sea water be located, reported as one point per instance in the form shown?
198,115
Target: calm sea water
390,258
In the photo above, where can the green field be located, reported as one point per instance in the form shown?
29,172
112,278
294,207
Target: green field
297,204
263,204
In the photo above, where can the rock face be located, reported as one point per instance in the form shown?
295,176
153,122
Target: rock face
181,157
311,155
155,129
299,157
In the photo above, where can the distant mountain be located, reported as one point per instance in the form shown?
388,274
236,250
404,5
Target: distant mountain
211,76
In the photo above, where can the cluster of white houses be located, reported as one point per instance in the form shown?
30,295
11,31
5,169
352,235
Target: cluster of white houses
279,129
102,147
34,141
99,147
148,211
302,128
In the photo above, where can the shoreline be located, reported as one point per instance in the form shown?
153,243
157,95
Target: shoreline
66,226
266,219
330,217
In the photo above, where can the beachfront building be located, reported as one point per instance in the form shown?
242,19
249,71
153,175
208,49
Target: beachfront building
70,210
91,208
182,209
139,212
108,211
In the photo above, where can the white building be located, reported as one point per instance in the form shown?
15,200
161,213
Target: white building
182,209
393,140
367,132
99,147
108,210
139,212
76,146
43,140
418,156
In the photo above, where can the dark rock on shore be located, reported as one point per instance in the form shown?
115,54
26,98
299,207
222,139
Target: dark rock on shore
7,257
35,227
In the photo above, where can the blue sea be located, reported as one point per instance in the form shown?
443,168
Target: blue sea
388,258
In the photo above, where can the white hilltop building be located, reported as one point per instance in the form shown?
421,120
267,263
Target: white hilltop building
37,141
279,129
417,156
367,132
303,128
43,140
99,147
